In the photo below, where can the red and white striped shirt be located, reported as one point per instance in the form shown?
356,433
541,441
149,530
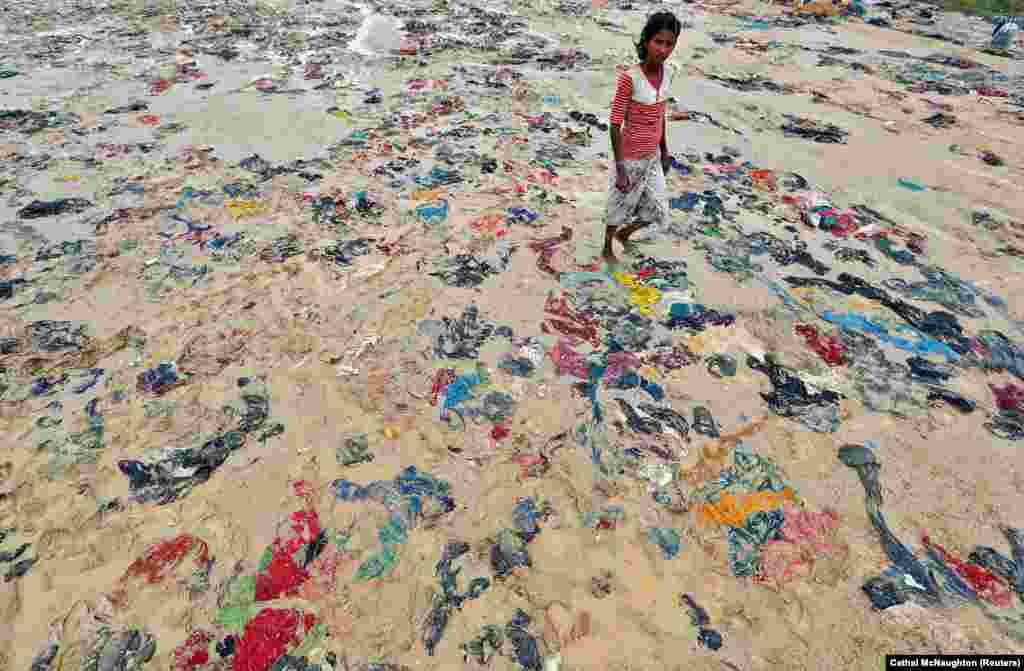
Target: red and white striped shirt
642,108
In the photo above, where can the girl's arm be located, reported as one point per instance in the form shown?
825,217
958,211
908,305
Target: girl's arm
616,133
620,103
621,179
663,144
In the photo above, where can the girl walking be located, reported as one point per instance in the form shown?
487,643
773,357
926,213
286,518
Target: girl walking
637,194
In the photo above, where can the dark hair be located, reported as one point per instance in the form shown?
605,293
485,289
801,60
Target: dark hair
656,23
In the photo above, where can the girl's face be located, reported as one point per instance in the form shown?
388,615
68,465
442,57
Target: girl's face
661,46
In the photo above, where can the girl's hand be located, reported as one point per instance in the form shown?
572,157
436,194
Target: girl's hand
622,180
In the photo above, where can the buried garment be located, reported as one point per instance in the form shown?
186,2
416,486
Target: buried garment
662,274
38,209
547,249
57,336
1008,422
162,561
524,644
748,499
790,397
994,351
813,130
942,326
887,386
706,636
509,549
74,447
172,477
941,578
98,645
449,599
411,499
460,338
484,647
301,562
782,252
940,287
18,567
806,536
344,252
176,472
696,317
466,271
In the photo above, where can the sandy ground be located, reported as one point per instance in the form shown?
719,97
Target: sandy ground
339,351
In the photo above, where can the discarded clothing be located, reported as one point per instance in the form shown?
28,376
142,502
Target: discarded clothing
734,511
8,288
667,540
669,417
524,645
704,423
282,249
18,567
790,397
38,209
940,120
746,542
433,214
161,379
57,336
160,561
813,130
670,358
268,636
829,348
953,399
992,350
943,288
1008,422
546,250
449,599
484,647
854,324
169,479
465,271
517,366
886,386
438,177
941,326
344,252
638,423
509,549
889,589
410,498
929,372
662,275
851,255
458,338
696,317
1004,35
784,254
174,474
806,535
354,450
605,520
706,636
